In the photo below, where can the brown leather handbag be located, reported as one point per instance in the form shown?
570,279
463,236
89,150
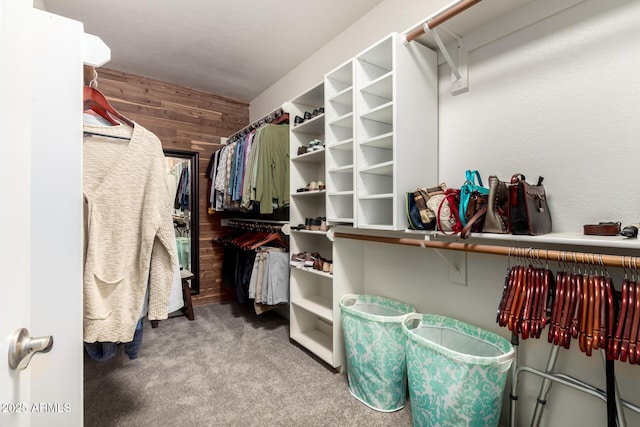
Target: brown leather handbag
528,207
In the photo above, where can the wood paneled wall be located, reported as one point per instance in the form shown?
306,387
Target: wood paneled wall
183,119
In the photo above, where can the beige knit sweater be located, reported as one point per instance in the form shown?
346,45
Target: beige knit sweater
128,239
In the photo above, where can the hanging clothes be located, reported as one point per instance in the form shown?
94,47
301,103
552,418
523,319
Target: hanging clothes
272,164
255,268
129,237
269,283
252,173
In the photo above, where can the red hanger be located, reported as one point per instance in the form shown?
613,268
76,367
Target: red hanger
95,101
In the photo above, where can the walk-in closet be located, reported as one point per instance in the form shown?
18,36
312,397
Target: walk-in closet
325,214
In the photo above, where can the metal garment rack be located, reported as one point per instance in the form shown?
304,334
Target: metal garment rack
255,224
277,116
615,415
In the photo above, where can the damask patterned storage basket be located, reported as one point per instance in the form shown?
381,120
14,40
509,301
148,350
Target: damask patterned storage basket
375,350
456,371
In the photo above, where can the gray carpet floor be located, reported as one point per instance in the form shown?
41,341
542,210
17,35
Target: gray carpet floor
228,367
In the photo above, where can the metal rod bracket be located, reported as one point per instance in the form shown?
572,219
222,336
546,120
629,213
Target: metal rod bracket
459,68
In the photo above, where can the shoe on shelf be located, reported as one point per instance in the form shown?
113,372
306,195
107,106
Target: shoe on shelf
298,120
298,260
316,145
307,115
323,224
302,150
327,267
321,186
311,259
312,186
315,224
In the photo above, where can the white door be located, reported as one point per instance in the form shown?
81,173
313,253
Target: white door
41,193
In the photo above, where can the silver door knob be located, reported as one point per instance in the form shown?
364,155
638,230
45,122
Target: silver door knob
22,347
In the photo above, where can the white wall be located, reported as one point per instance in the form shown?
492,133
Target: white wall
559,98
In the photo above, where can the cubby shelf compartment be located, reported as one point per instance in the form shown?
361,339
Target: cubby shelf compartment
381,87
385,168
318,305
382,113
381,196
341,169
314,193
316,156
339,220
316,338
345,144
345,97
315,125
396,101
341,193
345,121
381,141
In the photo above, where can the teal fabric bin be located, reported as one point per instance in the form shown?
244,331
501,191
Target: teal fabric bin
375,350
456,371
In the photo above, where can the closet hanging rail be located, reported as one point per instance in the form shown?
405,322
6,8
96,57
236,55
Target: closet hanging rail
441,16
275,117
251,224
551,255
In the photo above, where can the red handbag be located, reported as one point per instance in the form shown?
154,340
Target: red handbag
451,202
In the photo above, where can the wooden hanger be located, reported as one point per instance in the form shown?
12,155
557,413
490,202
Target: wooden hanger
95,101
274,237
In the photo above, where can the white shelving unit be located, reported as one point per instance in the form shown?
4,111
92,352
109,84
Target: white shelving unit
311,314
340,152
396,119
377,105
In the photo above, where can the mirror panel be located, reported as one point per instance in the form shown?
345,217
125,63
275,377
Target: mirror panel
182,178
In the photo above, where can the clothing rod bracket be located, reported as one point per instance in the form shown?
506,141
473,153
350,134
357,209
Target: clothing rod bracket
457,263
459,68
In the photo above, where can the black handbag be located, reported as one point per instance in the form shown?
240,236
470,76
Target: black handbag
528,207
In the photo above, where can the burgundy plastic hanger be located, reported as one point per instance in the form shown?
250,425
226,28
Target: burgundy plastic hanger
95,101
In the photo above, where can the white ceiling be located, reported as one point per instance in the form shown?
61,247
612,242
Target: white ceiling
234,48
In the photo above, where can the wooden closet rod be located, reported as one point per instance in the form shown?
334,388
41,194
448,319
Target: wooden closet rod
544,254
441,17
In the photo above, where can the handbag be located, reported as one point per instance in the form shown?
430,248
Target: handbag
448,212
471,187
476,214
414,218
428,200
528,207
497,216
